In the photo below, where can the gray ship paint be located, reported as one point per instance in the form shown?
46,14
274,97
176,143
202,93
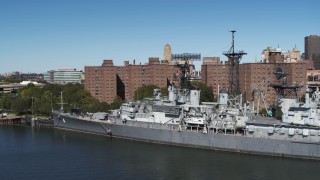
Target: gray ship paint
157,133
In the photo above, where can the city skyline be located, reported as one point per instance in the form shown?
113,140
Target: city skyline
38,36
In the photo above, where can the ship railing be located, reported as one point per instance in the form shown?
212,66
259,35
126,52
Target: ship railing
166,125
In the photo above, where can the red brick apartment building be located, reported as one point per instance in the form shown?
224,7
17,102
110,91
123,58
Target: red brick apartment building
107,81
254,77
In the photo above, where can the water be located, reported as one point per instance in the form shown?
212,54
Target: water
55,154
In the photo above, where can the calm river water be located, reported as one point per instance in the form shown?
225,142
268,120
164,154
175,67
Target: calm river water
56,154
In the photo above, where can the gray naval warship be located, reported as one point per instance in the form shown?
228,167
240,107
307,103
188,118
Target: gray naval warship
179,119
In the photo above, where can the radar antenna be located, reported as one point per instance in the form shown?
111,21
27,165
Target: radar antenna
184,62
282,87
234,58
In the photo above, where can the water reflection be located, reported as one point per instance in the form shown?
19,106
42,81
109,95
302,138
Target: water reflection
58,154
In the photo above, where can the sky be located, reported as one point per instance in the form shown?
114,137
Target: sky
41,35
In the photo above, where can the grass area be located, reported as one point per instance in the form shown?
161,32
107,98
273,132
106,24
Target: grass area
1,83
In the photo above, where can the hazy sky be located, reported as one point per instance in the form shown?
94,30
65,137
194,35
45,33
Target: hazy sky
41,35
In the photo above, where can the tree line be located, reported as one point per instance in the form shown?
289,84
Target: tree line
146,91
41,101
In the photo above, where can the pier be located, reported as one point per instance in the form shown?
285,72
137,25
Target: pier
12,120
37,123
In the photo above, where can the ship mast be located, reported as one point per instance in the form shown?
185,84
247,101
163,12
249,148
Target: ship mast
234,58
61,102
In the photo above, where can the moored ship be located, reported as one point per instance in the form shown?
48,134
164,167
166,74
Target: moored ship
181,120
228,124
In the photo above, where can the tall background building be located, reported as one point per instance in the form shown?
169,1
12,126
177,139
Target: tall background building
312,49
167,54
270,55
107,81
63,76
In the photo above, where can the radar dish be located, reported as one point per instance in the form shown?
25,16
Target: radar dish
279,73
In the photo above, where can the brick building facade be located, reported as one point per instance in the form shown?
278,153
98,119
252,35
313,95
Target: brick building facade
254,78
101,80
106,82
215,75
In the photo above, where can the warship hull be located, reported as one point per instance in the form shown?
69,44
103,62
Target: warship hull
142,131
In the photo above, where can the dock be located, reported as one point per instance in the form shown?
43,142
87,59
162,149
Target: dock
36,122
12,120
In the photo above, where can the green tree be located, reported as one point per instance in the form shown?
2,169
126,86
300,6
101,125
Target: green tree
44,103
6,101
278,114
206,94
48,97
116,103
164,91
17,104
145,91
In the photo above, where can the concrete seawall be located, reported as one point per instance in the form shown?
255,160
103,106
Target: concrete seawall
12,119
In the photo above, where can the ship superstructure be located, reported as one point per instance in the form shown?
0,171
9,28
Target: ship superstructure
300,121
203,126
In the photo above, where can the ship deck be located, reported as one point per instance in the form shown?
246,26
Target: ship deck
266,121
269,121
